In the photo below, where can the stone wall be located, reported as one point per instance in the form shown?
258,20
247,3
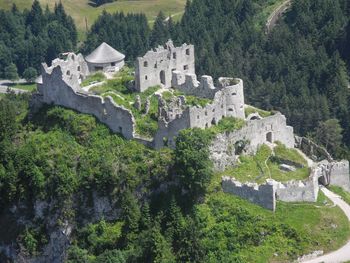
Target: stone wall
255,133
228,101
262,195
340,174
155,68
63,89
300,191
312,150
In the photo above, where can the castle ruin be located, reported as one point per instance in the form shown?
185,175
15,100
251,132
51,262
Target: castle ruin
172,68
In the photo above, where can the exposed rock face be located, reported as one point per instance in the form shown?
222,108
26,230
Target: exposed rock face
312,150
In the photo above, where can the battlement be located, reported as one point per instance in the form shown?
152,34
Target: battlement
156,66
263,195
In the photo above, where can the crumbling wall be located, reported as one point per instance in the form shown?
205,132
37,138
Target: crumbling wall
155,68
262,195
228,101
340,174
311,149
253,134
65,91
300,191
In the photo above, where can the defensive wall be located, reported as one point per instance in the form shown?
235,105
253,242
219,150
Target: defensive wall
156,66
60,87
224,147
263,195
227,101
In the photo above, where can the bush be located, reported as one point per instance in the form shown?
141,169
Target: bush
30,74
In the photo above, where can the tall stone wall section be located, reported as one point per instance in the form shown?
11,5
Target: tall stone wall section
228,101
262,195
60,88
300,191
155,68
255,133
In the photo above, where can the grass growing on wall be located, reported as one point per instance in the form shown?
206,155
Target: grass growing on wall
190,100
227,124
250,109
97,77
117,88
282,152
259,167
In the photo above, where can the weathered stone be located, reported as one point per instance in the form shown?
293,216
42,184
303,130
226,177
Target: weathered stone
287,168
137,103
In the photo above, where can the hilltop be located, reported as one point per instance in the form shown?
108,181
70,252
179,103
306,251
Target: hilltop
81,9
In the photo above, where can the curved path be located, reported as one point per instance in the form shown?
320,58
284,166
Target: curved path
5,84
276,14
342,254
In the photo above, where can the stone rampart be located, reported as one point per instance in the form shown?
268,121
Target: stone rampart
155,68
262,195
228,101
300,191
255,133
61,89
312,150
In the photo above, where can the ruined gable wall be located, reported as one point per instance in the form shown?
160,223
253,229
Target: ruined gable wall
262,195
222,148
155,68
56,90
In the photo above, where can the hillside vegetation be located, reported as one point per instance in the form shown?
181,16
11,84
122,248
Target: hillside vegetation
67,160
81,9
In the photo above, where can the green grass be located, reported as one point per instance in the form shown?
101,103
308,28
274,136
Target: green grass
25,86
190,100
2,95
97,77
282,152
259,167
146,124
293,230
227,124
338,190
250,109
80,9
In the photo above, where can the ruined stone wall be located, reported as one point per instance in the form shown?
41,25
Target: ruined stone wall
262,195
311,149
62,89
300,191
74,67
255,132
228,101
340,174
155,68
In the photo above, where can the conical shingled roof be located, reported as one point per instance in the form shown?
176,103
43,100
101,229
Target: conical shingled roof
104,54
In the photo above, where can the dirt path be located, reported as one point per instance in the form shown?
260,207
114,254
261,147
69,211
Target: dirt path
276,14
342,254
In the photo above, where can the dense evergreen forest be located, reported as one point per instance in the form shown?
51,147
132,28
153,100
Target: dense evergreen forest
33,36
300,69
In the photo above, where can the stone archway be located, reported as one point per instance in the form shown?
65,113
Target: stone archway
269,137
162,77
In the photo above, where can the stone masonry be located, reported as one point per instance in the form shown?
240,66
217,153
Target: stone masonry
155,68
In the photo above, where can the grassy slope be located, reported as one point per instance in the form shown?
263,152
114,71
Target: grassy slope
80,9
319,225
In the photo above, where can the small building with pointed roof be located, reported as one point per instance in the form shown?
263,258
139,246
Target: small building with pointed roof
105,58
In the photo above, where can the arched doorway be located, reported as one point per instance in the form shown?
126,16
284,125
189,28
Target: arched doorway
269,137
162,77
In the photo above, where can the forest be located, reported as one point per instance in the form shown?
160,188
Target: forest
300,69
167,206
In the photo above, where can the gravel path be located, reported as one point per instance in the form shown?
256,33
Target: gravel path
342,254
